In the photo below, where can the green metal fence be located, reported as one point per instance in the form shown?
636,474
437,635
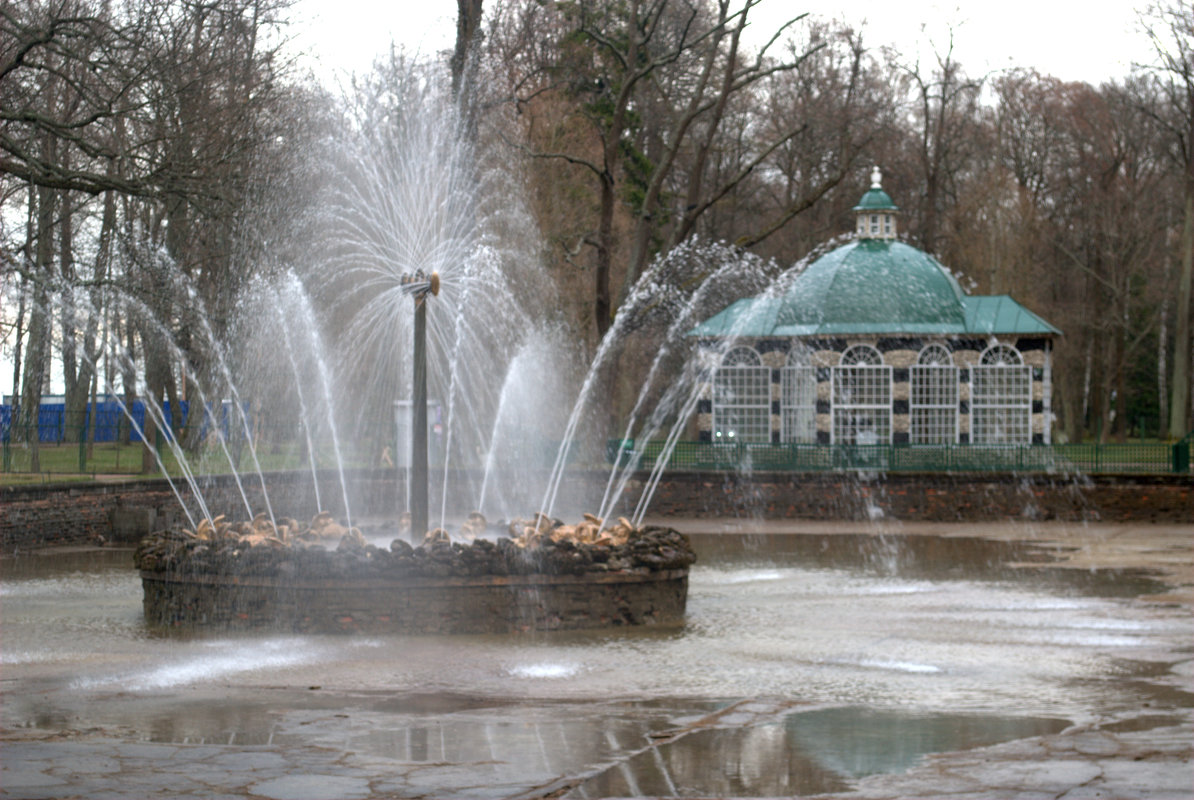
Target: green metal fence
1144,458
68,450
274,447
284,447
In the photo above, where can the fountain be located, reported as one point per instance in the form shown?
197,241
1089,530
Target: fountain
411,221
543,576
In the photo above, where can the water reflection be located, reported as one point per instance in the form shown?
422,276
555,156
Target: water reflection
913,556
810,752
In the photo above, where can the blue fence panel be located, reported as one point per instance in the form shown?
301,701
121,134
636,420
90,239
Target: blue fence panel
49,422
110,416
226,420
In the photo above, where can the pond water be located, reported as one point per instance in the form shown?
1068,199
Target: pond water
805,662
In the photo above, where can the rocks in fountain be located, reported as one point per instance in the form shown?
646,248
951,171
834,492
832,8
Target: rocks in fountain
474,526
436,536
538,546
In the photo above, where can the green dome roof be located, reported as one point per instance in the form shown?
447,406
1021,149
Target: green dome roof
874,285
869,285
876,200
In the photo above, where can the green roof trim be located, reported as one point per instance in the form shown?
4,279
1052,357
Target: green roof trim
747,314
999,313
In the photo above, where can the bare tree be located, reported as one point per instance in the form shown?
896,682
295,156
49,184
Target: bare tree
646,98
178,114
1171,28
944,113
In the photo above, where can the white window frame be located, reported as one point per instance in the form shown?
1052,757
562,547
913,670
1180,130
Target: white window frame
933,397
742,398
861,395
798,398
1000,397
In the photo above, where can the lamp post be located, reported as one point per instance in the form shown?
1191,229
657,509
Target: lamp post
418,285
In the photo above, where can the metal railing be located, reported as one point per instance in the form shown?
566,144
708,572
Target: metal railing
1090,458
111,448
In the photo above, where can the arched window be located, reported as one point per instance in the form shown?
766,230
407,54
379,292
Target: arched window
933,397
861,398
742,357
862,354
742,398
1000,397
935,355
1001,355
798,397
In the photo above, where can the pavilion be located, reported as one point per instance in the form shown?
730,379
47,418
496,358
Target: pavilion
876,343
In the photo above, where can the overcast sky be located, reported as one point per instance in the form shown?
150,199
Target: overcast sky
1070,39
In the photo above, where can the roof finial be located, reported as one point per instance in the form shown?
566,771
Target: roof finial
876,178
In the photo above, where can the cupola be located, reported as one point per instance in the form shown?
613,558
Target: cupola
876,212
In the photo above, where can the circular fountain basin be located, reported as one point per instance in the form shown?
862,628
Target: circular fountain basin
228,582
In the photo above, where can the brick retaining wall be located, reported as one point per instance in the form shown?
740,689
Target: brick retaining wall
931,498
41,516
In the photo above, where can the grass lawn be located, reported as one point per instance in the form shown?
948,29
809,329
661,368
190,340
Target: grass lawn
62,462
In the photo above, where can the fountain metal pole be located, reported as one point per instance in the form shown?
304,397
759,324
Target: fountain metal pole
419,286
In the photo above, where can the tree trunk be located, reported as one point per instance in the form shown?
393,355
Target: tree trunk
75,384
18,345
19,330
128,377
1106,385
1163,357
149,462
1179,403
1071,403
1121,388
89,370
37,356
602,306
468,30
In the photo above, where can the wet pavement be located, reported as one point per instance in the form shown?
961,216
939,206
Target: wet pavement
837,660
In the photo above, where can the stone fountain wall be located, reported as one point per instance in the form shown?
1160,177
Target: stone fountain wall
488,604
72,514
552,576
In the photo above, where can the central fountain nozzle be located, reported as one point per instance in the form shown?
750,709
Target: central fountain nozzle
419,284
